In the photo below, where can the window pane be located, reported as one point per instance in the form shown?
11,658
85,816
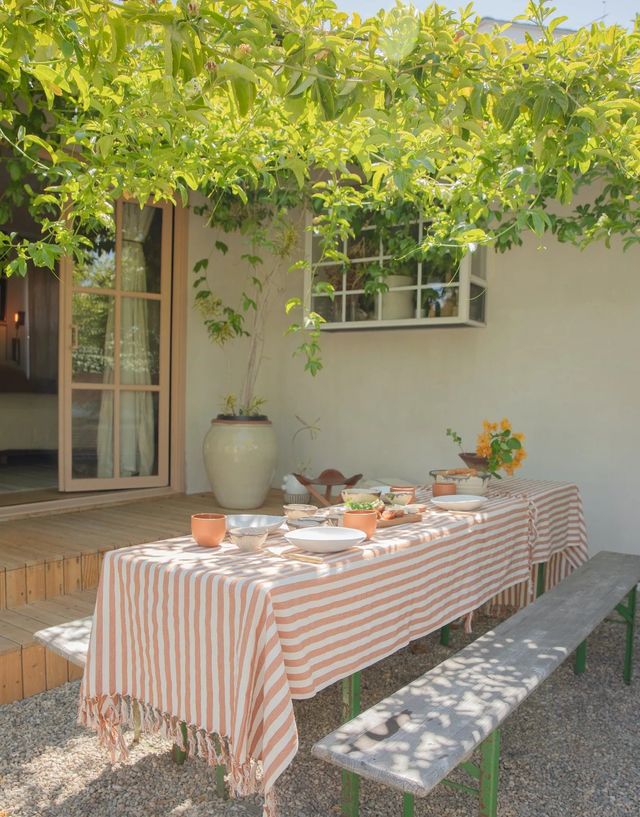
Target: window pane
361,307
92,338
138,433
439,302
329,275
141,248
92,433
317,249
479,263
98,265
328,308
140,341
477,303
365,244
441,267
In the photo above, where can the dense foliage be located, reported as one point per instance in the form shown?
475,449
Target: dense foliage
292,101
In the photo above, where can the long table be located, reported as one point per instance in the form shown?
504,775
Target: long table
224,641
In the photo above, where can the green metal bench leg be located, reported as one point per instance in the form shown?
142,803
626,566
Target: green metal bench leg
350,801
179,755
489,770
408,802
581,659
221,786
137,722
630,619
445,635
542,569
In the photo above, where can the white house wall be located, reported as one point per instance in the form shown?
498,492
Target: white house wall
559,357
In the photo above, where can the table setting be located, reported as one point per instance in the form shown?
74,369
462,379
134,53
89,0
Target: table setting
221,630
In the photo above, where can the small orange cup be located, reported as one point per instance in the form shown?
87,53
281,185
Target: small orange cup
366,521
208,529
443,488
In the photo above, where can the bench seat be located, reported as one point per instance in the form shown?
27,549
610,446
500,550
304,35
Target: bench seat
413,739
70,639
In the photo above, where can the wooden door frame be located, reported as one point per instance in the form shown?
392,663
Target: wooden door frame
176,389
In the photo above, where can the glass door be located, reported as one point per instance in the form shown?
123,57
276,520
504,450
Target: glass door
114,422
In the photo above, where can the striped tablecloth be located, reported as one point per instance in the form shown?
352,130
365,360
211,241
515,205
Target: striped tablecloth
225,641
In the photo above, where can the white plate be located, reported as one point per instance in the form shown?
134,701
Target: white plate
459,502
325,539
254,520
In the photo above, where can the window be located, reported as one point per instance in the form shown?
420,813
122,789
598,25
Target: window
435,290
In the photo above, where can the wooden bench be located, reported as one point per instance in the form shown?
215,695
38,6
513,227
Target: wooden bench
413,739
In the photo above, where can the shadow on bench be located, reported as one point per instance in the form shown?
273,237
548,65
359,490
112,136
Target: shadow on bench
413,739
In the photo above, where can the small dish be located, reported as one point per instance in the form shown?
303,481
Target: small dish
325,539
468,481
459,502
296,511
248,539
307,522
254,520
361,494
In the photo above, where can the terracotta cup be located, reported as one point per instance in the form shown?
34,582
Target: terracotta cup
208,529
366,521
443,488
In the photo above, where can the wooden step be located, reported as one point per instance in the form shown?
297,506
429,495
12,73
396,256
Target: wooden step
27,668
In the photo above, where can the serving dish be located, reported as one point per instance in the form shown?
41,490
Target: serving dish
254,520
325,539
361,494
299,511
467,480
459,502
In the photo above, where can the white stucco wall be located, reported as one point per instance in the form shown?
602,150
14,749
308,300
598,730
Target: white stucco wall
559,357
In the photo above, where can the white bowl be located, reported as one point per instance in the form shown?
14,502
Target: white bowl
248,539
254,520
325,539
299,511
459,502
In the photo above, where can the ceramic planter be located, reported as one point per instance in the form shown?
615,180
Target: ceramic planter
240,460
398,305
473,460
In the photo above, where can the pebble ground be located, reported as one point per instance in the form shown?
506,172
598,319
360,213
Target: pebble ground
571,750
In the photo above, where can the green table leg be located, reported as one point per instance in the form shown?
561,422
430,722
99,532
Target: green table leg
628,613
350,801
489,770
540,579
445,635
408,802
581,659
179,755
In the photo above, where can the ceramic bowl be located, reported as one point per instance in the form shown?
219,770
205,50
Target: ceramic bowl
254,520
405,489
361,494
248,539
398,497
208,529
297,511
467,481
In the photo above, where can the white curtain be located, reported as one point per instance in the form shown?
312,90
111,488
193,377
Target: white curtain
137,424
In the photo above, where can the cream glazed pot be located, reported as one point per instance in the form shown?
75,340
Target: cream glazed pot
240,460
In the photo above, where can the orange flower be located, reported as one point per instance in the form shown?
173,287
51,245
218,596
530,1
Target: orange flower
519,436
505,425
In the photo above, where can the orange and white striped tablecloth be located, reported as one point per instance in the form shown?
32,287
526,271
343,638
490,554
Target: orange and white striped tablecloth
224,641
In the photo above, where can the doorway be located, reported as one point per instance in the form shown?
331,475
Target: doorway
115,355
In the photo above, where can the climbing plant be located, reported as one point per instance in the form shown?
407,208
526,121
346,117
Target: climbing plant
488,138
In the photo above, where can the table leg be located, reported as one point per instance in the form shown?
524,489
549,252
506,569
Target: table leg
628,613
220,772
408,802
350,801
445,635
581,658
540,579
179,755
137,721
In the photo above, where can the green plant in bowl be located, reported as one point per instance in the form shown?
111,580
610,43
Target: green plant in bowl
352,505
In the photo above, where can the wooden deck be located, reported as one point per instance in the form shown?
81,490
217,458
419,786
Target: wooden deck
49,569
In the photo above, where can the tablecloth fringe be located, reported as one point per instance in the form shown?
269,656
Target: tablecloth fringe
107,715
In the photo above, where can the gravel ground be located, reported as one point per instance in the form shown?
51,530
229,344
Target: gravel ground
569,751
